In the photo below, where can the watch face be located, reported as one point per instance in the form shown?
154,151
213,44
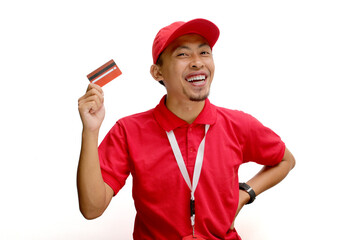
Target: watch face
249,190
244,186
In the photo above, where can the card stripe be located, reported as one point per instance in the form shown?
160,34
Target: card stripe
101,71
104,75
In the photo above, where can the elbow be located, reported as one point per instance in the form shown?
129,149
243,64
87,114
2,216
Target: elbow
90,214
293,162
290,159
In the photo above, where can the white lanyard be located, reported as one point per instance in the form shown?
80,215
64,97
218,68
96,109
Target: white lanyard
184,172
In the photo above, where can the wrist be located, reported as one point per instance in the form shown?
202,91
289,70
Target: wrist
249,191
90,134
244,197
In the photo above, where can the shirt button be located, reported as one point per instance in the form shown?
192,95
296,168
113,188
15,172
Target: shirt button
192,150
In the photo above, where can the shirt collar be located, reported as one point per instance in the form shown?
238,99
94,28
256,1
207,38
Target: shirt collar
169,121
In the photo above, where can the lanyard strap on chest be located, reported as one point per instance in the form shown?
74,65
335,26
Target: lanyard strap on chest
181,163
197,170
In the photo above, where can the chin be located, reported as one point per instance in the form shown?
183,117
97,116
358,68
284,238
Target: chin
199,98
197,95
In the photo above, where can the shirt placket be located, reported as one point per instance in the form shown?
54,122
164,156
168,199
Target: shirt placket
192,147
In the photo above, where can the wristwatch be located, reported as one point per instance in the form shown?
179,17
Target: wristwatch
249,190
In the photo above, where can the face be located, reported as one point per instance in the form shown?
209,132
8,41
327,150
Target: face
187,68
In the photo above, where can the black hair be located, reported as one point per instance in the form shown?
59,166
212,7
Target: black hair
159,62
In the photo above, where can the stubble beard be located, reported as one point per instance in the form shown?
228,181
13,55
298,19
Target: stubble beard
197,97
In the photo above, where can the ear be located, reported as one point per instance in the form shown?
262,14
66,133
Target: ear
156,73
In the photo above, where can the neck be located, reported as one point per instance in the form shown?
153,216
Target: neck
186,110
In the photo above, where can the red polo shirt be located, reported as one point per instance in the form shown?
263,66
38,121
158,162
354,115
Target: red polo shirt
138,144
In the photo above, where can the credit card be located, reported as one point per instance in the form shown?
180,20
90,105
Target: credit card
105,73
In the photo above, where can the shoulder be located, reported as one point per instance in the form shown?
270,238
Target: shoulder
236,121
233,115
138,123
137,118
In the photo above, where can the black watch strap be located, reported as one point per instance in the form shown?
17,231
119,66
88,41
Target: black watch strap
249,190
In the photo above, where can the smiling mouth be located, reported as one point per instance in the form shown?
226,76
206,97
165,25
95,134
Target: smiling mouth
196,80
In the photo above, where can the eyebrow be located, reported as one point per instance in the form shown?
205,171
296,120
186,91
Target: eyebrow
203,45
186,47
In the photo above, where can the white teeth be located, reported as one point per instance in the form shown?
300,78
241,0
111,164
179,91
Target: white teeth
196,78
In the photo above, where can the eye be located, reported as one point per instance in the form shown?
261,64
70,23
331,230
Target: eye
182,54
205,53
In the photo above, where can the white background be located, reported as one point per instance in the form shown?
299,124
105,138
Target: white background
294,65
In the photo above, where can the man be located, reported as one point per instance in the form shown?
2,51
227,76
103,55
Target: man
184,154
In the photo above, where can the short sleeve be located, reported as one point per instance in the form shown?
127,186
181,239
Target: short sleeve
114,158
262,145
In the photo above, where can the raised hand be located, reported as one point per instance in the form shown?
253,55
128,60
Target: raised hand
91,108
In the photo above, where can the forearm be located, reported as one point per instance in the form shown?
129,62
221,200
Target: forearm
91,187
269,176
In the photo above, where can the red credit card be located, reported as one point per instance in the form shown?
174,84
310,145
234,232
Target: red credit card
105,73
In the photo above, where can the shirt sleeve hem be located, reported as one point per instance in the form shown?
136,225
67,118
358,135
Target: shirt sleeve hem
281,154
109,180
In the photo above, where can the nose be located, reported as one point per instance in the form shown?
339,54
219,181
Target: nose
196,62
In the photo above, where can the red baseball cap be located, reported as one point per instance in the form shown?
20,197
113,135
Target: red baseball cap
200,26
